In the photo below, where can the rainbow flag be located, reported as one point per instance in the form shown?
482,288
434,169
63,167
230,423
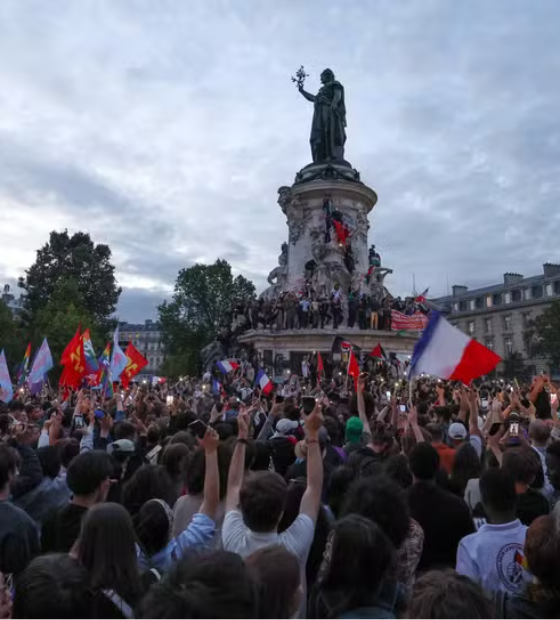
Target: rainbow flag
92,366
23,368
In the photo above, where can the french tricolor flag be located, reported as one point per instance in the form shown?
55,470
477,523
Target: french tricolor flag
264,382
226,366
444,351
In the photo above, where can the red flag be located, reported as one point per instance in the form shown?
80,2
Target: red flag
378,352
353,368
71,346
135,362
73,360
320,367
342,232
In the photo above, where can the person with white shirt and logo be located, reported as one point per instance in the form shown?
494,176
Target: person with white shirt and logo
493,556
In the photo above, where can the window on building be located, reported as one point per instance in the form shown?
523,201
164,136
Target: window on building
516,295
488,325
479,303
508,345
507,297
526,319
507,322
470,328
488,301
548,291
455,307
536,291
557,287
497,299
489,343
472,304
527,294
462,306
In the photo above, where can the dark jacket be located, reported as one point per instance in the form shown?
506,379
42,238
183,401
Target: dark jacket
19,539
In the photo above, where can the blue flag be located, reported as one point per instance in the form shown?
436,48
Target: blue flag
42,363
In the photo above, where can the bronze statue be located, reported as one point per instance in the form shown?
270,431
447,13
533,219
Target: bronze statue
328,133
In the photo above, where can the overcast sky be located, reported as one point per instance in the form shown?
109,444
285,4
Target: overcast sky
164,128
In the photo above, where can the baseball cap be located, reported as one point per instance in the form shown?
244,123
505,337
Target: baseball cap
457,431
123,446
284,427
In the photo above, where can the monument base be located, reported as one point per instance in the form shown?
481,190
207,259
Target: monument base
295,345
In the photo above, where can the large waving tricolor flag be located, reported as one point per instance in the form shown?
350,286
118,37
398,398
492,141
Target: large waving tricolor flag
444,351
264,382
226,366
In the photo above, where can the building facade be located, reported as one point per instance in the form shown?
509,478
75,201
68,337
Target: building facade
148,339
501,316
15,304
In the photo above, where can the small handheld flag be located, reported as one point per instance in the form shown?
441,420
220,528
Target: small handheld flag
226,366
378,352
264,382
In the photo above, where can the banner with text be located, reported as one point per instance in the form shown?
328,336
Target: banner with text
400,321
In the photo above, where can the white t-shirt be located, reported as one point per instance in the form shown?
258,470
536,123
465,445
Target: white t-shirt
297,539
493,557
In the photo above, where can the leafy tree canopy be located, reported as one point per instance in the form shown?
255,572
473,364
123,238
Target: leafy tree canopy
201,306
79,259
546,343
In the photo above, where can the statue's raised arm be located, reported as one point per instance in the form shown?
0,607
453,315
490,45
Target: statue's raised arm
328,128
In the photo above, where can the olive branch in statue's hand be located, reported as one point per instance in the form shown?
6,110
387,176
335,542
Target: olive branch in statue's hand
300,76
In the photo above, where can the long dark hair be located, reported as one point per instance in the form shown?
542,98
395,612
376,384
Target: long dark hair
106,548
360,557
276,573
466,466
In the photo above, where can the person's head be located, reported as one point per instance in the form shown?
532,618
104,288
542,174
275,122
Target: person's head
553,464
34,412
348,567
124,430
339,483
106,548
148,482
49,457
208,585
382,441
542,552
539,433
522,465
382,501
9,463
440,594
277,575
466,465
436,432
89,476
424,462
68,450
497,490
262,500
397,468
354,430
457,432
153,524
174,460
52,586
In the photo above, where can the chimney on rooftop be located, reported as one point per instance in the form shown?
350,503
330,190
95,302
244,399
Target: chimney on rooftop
512,278
459,290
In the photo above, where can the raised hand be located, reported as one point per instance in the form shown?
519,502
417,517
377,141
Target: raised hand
210,441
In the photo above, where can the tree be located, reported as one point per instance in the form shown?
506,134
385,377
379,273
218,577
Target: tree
8,333
60,318
75,258
546,343
514,366
202,304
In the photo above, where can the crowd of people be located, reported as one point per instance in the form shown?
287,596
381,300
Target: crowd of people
291,310
323,499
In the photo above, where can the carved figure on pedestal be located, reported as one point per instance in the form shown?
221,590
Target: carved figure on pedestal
278,276
284,197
